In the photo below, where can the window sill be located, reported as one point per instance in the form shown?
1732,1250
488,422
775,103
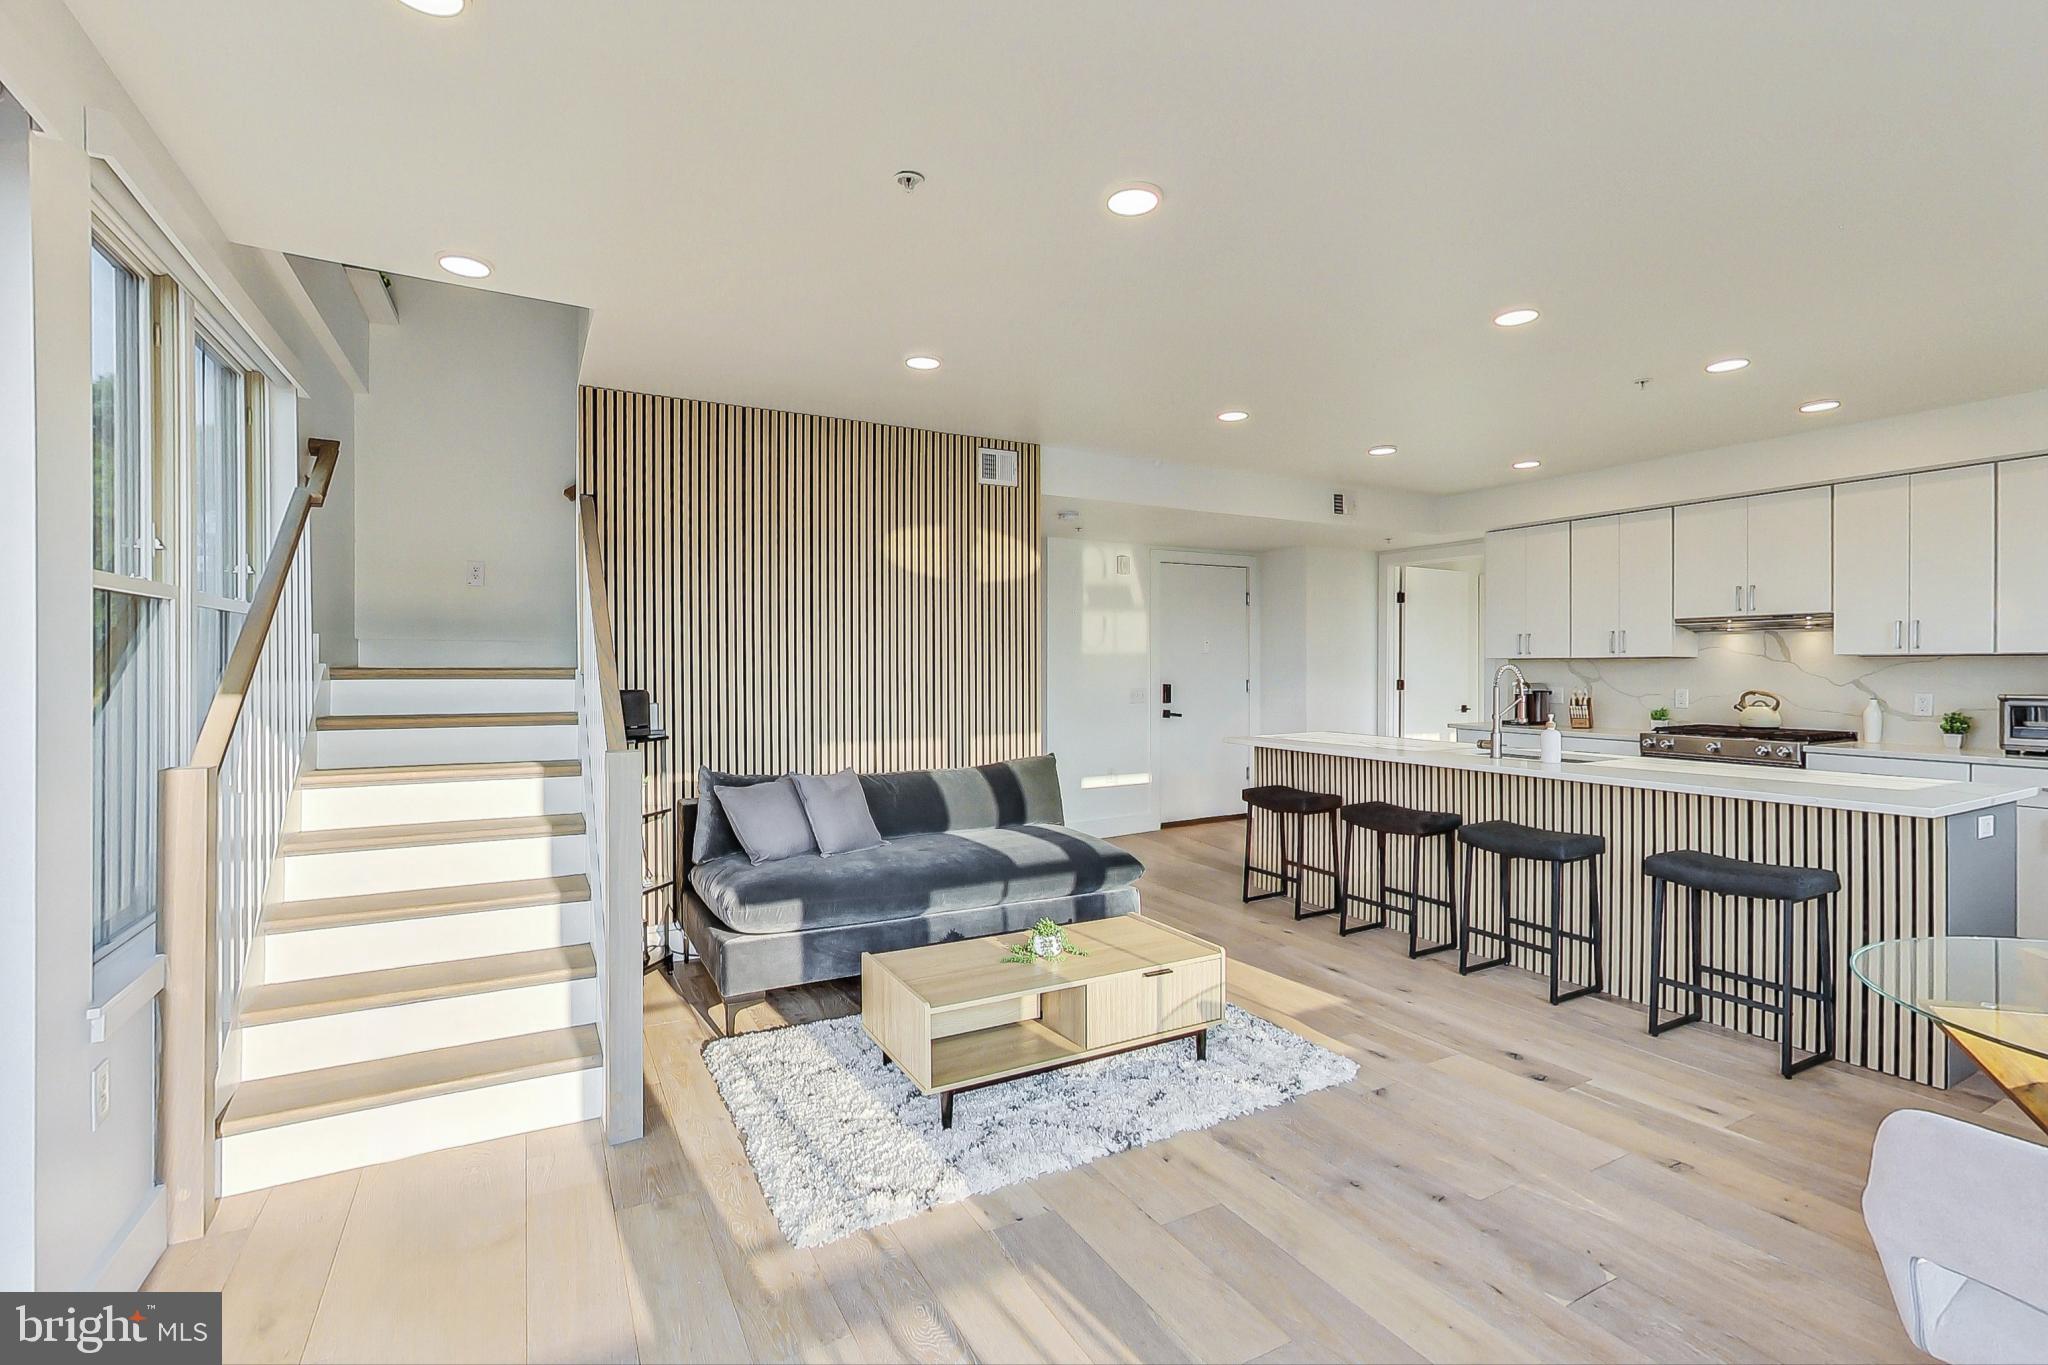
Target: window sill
124,982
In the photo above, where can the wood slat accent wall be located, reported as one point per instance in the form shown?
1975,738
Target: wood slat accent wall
804,592
1894,873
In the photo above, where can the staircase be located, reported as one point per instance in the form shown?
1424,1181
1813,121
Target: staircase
426,970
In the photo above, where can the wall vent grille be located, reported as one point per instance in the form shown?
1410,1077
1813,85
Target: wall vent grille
998,467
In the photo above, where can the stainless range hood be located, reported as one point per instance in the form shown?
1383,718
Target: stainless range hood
1752,622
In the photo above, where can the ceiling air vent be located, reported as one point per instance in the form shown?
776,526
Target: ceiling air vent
1337,504
998,467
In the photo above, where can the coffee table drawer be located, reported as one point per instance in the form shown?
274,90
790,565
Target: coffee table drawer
1185,995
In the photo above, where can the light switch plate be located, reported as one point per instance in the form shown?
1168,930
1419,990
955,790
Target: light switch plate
475,577
1923,703
102,1092
1682,698
1987,825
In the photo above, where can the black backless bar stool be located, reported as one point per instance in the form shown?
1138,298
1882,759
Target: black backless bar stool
1513,843
1384,818
1795,889
1293,806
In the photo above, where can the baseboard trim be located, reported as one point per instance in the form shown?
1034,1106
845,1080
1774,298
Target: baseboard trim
136,1251
1202,820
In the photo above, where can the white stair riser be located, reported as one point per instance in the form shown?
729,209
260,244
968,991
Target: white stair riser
443,744
299,1151
307,953
312,876
442,696
406,803
366,1035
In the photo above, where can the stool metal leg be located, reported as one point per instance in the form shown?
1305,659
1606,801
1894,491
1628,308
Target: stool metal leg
1827,976
1415,899
1556,923
1467,964
1785,997
1599,945
1656,949
1250,814
1302,868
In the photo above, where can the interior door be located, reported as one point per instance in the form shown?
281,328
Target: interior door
1954,561
1204,679
1439,641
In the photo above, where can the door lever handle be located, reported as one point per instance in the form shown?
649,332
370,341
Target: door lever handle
1172,715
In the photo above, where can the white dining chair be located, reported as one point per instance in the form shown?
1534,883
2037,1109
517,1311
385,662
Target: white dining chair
1959,1215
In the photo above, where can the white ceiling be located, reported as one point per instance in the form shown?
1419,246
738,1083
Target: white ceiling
1851,192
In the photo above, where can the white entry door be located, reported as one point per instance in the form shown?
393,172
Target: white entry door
1439,662
1203,615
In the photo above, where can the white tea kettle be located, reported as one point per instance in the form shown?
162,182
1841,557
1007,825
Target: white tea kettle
1759,710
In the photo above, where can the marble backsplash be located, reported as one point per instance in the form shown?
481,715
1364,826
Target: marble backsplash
1820,689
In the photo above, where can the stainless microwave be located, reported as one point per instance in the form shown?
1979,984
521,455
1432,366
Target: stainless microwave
2023,725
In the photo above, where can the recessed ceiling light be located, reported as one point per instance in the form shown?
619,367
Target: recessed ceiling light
1527,464
1728,366
440,9
921,362
1821,405
1515,317
469,267
1232,415
1379,450
1134,201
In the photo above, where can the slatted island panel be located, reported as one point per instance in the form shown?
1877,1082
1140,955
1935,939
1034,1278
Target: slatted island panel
1894,871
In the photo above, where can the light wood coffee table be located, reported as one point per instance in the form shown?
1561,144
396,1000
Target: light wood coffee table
956,1017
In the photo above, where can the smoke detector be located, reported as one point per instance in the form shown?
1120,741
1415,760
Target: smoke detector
909,180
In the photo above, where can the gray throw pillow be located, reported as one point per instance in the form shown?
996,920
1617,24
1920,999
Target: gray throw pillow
768,819
838,811
714,836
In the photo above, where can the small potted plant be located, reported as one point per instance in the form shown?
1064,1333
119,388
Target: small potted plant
1954,726
1661,714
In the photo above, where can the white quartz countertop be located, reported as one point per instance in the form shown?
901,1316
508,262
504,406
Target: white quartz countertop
1939,753
1925,798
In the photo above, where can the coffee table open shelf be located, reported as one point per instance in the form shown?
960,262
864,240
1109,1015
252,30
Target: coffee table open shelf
955,1016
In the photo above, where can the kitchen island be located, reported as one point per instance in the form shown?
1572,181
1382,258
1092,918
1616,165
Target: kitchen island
1917,857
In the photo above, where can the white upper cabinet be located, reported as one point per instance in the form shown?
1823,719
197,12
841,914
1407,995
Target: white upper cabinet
1710,556
1622,587
1764,555
1916,567
1789,569
2023,556
1528,592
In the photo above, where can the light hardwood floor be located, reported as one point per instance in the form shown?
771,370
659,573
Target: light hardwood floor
1503,1181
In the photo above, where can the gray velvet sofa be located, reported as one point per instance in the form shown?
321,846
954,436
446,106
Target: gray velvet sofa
966,852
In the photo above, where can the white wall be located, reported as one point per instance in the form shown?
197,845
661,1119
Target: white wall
1318,640
329,412
1098,659
465,443
81,1205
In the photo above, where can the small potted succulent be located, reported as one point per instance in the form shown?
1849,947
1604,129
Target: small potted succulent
1954,726
1661,714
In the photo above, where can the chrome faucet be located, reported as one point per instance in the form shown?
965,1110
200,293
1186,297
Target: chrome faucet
1521,691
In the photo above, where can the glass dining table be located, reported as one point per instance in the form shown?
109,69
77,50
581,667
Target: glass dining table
1990,995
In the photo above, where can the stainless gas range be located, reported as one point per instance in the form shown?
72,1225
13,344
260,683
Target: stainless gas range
1780,748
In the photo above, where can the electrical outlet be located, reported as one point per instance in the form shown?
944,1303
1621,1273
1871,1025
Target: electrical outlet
1987,825
102,1093
1923,703
1682,698
475,579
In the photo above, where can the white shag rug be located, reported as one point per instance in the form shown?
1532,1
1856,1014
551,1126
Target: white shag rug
842,1140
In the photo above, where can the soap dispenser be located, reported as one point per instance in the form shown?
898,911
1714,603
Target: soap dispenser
1552,742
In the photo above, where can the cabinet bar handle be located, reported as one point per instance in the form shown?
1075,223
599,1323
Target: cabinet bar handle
1752,597
1624,642
1916,633
1738,597
1898,635
1610,641
1160,971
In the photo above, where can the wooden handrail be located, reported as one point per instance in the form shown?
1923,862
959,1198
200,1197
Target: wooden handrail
601,627
211,749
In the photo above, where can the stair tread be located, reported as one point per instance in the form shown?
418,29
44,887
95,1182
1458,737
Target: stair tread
378,907
281,1001
365,673
357,839
304,1095
398,774
443,720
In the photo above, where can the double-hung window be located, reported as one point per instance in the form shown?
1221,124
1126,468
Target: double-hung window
135,729
224,416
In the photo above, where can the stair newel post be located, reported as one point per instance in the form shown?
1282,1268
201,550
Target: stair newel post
188,936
